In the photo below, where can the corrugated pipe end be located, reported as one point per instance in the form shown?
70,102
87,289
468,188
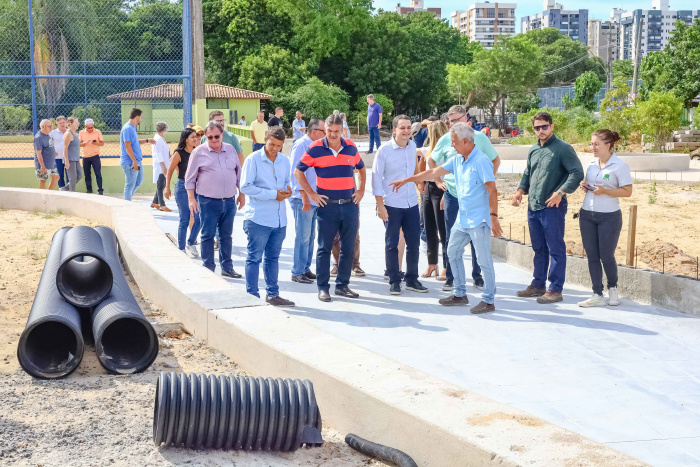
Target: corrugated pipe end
50,349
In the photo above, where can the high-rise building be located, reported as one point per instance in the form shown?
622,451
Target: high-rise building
573,23
657,25
604,39
415,6
484,22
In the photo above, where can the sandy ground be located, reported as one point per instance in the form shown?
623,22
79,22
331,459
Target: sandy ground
92,418
668,231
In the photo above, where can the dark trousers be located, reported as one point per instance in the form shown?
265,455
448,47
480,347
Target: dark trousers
95,163
374,138
600,232
408,220
451,213
217,214
257,146
342,219
61,167
547,237
434,219
336,248
160,186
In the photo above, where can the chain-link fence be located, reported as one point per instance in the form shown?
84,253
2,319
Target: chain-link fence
93,60
554,97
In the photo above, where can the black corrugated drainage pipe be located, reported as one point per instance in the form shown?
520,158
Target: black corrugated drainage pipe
381,452
200,411
84,277
125,341
51,345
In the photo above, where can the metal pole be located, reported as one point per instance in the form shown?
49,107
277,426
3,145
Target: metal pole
85,87
33,71
187,63
637,58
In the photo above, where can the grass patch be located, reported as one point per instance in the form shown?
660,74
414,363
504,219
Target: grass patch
54,214
36,236
36,255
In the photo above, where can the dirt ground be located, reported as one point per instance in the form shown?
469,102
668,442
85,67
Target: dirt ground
92,418
668,231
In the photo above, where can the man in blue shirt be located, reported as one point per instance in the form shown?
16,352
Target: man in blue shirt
298,127
475,187
266,180
131,155
374,122
303,208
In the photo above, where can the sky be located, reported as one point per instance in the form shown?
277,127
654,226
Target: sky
597,9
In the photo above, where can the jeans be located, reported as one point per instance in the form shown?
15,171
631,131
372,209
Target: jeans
423,236
547,237
61,167
332,219
75,174
600,232
374,138
434,218
95,163
480,238
183,208
217,214
160,186
133,180
451,214
304,236
257,146
408,220
267,240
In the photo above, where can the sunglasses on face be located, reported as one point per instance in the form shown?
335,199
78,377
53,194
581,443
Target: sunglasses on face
541,127
213,137
453,121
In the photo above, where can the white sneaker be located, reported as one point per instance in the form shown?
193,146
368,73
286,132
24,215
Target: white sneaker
595,300
192,249
614,297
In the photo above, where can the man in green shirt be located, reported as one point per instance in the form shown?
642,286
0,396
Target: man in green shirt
227,137
553,170
442,153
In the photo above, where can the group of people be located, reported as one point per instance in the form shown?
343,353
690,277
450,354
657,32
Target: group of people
57,154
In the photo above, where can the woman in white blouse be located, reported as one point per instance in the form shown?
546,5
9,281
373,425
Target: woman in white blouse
607,180
161,162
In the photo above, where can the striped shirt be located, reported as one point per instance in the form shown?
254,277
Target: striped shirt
334,171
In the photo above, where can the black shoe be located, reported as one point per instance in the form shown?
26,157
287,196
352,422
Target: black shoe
479,285
395,289
324,296
453,301
278,301
302,279
310,275
402,276
416,287
448,285
346,292
101,192
232,274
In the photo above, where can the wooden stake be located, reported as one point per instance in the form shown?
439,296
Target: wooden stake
631,235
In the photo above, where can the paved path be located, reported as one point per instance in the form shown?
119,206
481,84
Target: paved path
627,376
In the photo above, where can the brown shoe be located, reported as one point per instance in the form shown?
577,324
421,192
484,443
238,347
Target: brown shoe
334,271
155,206
550,297
165,209
454,301
531,292
483,307
357,271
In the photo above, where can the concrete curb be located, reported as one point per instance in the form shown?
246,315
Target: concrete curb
437,423
671,291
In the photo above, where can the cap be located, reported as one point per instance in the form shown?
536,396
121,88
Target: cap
89,121
197,129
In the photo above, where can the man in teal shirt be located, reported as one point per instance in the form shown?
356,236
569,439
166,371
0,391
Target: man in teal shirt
228,137
440,155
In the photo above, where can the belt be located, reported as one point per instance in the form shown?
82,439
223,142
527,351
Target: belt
339,201
221,199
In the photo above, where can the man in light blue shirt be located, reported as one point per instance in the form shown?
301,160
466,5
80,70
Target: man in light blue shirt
298,127
398,209
266,180
131,155
304,209
475,187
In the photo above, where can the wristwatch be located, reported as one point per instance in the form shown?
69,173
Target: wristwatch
561,193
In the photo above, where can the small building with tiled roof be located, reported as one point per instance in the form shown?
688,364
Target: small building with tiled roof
163,103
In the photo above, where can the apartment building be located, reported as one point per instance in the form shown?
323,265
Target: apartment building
484,22
573,23
415,6
604,39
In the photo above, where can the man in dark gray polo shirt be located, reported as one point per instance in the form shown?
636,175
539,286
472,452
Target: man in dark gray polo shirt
45,156
553,170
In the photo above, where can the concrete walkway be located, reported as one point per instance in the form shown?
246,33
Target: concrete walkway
626,376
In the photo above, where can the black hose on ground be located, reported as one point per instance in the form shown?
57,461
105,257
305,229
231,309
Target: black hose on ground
51,345
84,277
219,412
381,452
125,341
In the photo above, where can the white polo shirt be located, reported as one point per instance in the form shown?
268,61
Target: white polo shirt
57,138
395,163
615,174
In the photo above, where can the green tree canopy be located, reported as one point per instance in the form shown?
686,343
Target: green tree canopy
586,87
273,68
623,69
318,100
615,112
658,116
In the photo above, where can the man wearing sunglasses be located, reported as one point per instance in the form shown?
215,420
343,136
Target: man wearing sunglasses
553,170
215,171
228,137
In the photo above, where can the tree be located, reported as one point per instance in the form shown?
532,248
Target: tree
658,117
155,32
318,100
273,68
615,113
93,112
523,102
586,87
623,69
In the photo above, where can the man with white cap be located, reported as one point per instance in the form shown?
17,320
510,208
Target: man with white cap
91,141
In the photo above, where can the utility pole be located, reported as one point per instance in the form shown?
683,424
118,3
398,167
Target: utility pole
198,88
637,57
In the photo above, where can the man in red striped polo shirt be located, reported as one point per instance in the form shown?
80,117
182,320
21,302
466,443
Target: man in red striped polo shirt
334,159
